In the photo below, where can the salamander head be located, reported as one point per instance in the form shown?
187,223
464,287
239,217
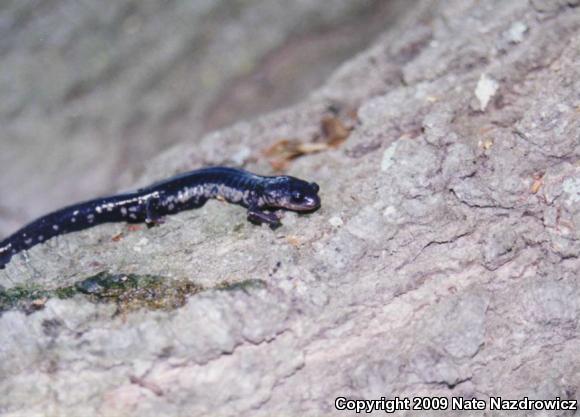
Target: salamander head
292,194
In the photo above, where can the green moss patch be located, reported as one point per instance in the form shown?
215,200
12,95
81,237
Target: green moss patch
30,298
131,292
246,285
128,291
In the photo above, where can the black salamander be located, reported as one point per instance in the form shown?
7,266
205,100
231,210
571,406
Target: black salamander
187,191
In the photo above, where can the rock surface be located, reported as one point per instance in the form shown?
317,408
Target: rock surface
444,261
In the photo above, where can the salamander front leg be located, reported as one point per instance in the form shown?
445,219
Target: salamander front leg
257,216
153,216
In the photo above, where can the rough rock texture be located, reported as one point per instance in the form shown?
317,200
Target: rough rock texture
444,260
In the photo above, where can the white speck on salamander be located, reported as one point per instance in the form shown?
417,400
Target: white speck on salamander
75,212
55,227
28,241
73,220
91,218
40,238
123,211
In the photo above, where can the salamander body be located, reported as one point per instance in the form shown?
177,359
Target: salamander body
259,194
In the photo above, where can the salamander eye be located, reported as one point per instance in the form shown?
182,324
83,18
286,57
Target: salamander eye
297,196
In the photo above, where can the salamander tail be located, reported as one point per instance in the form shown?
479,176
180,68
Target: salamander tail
5,254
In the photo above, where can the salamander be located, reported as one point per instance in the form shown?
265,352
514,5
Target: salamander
259,194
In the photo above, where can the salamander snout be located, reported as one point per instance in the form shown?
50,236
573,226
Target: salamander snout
293,194
303,201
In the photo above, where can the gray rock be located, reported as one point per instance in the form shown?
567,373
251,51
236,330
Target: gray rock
443,262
